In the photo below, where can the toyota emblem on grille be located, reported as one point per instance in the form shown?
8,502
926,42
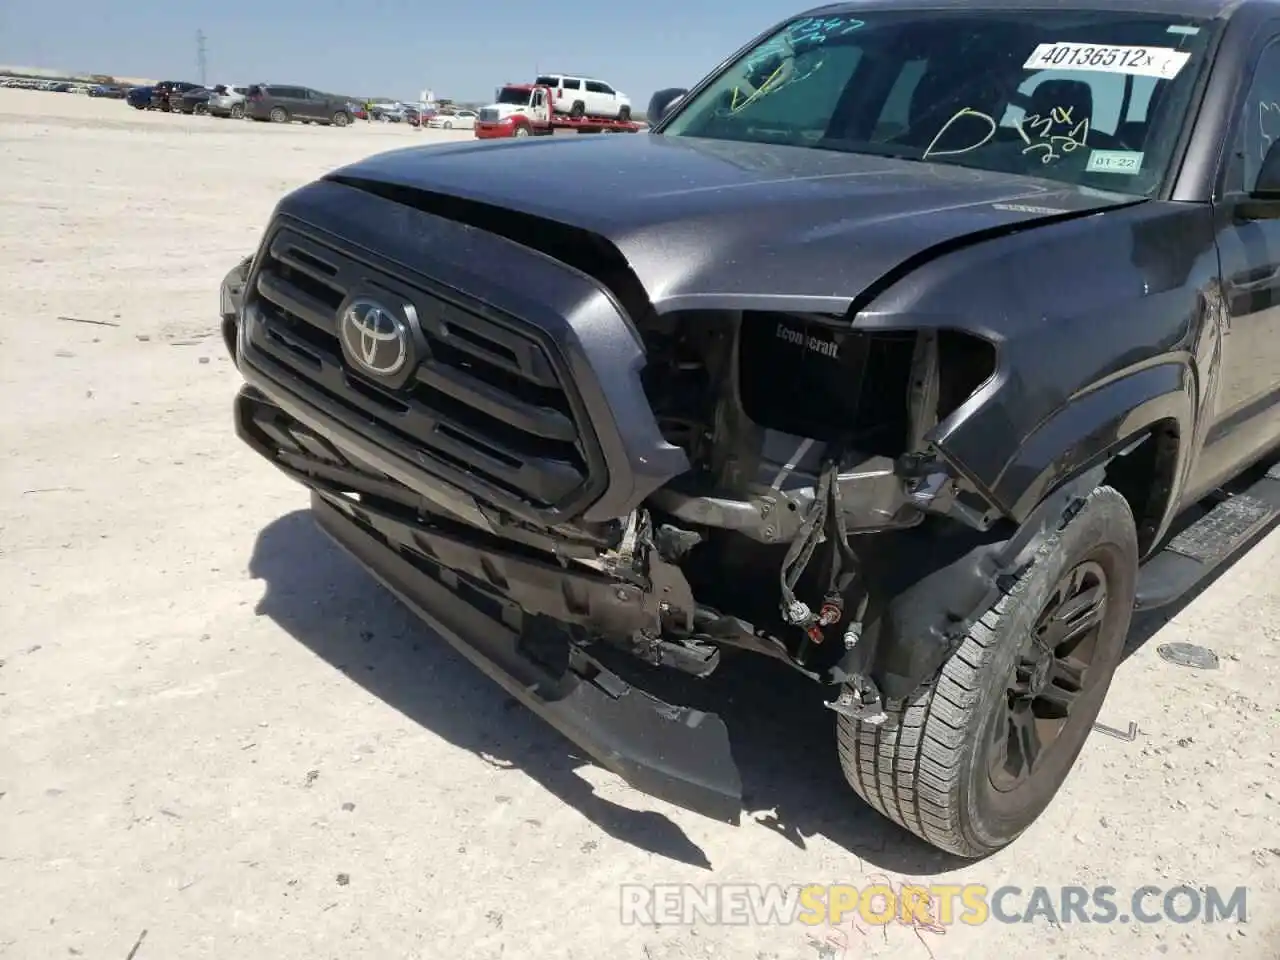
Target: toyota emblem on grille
376,338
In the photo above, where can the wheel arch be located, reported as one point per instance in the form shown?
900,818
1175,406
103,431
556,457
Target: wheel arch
1133,424
937,580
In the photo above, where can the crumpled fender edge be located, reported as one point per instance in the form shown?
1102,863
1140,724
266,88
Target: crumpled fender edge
1093,425
924,623
1059,464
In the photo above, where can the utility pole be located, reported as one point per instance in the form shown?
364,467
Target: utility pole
202,60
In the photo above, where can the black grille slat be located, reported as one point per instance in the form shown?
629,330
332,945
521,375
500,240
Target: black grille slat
328,372
520,357
288,297
542,421
324,359
307,262
547,480
307,258
487,400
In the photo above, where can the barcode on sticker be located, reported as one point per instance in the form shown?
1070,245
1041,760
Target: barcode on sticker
1162,62
1114,161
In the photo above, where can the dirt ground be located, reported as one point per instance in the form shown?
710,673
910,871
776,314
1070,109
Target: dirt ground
219,738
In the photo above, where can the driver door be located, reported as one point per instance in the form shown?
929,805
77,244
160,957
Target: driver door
539,106
314,105
1244,417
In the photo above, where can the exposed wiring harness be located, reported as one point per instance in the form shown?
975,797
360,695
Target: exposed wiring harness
825,522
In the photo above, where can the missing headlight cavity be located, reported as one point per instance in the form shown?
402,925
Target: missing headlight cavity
965,363
711,375
800,376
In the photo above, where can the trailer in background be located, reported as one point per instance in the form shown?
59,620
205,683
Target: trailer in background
524,110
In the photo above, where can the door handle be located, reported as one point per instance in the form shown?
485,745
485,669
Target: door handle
1258,279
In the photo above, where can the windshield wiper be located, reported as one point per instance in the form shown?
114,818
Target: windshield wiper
864,147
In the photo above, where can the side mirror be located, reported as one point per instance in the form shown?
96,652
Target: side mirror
1269,175
1264,202
662,102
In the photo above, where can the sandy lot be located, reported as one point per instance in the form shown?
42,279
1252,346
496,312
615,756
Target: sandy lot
219,738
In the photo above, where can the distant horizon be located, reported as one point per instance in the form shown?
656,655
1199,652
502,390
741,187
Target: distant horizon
54,74
391,48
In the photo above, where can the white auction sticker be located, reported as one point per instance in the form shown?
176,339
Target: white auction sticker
1163,62
1114,161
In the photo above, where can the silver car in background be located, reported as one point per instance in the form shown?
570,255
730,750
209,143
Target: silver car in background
458,120
227,101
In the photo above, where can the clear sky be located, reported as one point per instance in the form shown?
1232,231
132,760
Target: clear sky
394,48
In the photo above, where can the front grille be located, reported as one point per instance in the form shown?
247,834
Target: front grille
488,404
490,115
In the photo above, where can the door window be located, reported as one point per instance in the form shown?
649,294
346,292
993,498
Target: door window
1258,124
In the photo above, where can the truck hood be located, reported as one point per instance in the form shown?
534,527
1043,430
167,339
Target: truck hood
721,224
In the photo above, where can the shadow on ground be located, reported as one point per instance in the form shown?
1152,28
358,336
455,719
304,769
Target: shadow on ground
1147,623
782,737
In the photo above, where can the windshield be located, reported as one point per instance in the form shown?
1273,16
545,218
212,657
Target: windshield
1091,97
514,95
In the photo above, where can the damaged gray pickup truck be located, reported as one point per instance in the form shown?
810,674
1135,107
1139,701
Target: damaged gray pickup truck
914,347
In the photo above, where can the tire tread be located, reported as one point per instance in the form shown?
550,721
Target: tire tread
914,767
919,746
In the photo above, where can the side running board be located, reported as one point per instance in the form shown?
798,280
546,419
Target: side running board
1189,558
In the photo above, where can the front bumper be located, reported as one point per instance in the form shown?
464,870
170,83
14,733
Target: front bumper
495,130
674,753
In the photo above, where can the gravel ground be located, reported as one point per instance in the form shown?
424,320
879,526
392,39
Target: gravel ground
219,738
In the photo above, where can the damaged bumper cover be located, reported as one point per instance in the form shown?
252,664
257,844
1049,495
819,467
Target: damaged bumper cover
674,753
668,751
918,628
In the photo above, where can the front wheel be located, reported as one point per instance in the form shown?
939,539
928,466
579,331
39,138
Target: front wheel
973,757
237,111
448,125
522,131
340,119
624,114
279,115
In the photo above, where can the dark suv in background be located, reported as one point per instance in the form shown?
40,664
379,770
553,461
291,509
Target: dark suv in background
167,94
281,104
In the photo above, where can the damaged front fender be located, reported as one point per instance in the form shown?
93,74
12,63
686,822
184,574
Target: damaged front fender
943,585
